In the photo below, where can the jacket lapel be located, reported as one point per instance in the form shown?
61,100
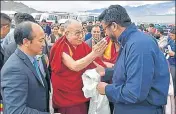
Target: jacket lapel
28,63
1,49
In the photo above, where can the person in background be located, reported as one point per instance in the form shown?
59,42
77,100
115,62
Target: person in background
145,30
97,23
90,23
151,29
55,35
141,74
110,55
166,44
88,34
96,36
19,18
10,36
61,29
162,40
140,28
84,24
5,28
46,27
172,59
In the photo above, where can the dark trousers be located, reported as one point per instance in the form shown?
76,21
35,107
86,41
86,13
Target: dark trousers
111,105
172,70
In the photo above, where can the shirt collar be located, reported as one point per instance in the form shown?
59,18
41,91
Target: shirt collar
30,58
123,38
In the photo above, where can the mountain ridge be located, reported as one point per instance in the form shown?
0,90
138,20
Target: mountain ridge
166,8
147,9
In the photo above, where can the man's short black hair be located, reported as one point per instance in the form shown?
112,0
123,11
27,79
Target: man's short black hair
61,24
94,26
22,31
173,31
44,20
5,19
53,26
117,14
21,17
160,30
151,25
84,23
90,22
89,28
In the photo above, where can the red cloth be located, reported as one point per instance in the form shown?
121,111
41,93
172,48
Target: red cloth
110,54
67,84
77,109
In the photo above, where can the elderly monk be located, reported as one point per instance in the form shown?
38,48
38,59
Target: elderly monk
69,59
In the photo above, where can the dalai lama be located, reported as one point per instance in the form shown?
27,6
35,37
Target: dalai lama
69,59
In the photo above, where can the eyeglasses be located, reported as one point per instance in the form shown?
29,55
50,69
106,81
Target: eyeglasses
106,26
78,33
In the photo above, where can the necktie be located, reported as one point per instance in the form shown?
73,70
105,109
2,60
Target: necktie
35,63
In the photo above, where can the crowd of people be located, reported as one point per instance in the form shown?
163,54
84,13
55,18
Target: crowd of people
110,66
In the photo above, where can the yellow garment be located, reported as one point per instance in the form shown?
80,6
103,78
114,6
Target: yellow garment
107,53
70,51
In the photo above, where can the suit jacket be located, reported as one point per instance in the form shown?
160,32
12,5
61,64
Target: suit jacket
9,50
22,90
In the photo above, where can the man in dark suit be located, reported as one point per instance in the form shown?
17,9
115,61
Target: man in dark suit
5,28
24,87
10,48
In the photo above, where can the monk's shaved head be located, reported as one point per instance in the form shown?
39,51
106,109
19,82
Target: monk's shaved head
74,32
72,24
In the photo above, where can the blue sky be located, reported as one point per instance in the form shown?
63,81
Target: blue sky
72,6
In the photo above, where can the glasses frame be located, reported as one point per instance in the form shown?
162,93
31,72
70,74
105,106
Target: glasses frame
107,26
78,34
